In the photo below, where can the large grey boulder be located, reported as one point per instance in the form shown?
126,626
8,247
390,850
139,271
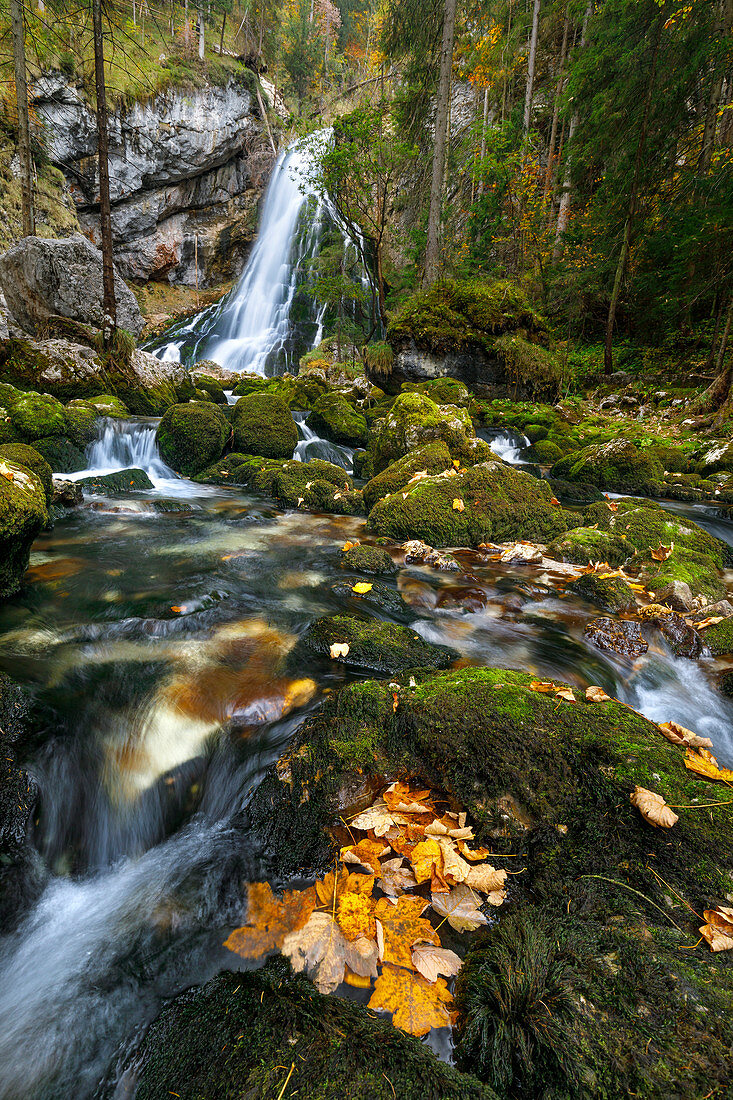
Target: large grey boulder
51,278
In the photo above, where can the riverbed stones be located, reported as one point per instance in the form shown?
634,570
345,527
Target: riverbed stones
263,425
620,636
607,593
368,559
23,515
192,436
370,646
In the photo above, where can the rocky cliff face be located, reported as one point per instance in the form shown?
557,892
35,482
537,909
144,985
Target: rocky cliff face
186,171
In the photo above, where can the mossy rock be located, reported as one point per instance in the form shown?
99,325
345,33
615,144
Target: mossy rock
61,454
8,434
191,437
528,365
645,524
619,465
700,571
131,480
263,425
718,457
23,515
33,460
414,420
37,415
433,457
232,1037
373,646
334,418
495,503
381,600
368,559
608,593
575,492
318,485
234,469
306,391
211,387
443,391
546,452
583,545
719,638
81,423
255,383
107,404
613,900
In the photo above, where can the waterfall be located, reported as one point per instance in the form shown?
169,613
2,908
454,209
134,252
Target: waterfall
124,445
311,445
252,328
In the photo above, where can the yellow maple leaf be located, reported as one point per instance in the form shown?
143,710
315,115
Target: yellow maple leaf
270,919
704,763
427,860
458,505
321,950
366,853
416,1005
354,916
361,588
402,926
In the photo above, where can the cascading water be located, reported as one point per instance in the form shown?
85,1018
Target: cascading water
252,329
129,444
311,445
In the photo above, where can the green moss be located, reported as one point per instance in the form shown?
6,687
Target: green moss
32,460
699,571
719,638
192,436
107,404
583,545
433,457
37,415
546,452
262,425
317,485
368,559
499,503
609,593
81,423
379,358
23,516
62,456
414,420
373,646
619,466
239,1035
334,418
131,480
529,365
211,387
443,391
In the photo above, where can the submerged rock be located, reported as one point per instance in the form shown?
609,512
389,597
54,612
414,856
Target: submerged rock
18,794
316,485
618,635
380,599
370,645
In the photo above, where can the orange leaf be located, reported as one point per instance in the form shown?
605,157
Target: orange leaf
402,927
653,808
545,687
427,860
269,920
416,1005
458,505
708,768
662,552
366,853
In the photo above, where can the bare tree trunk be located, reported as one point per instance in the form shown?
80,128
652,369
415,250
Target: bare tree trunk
717,396
265,119
442,99
531,66
221,38
563,214
24,127
633,195
105,213
556,107
202,34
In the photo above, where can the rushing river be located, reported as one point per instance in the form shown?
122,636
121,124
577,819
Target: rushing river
152,634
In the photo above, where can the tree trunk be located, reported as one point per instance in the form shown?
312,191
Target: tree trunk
202,34
531,66
24,128
633,195
265,119
105,213
556,107
442,99
221,38
563,214
718,395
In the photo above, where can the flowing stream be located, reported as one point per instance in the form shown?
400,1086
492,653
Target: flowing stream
152,636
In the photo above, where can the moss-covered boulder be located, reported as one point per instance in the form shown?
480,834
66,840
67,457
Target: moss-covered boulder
107,404
23,515
528,365
131,480
368,559
545,452
719,638
717,457
238,1036
263,425
193,436
443,391
61,454
8,434
491,502
381,600
619,465
81,423
592,980
37,415
415,420
211,387
334,418
583,545
433,458
32,460
317,485
607,593
371,646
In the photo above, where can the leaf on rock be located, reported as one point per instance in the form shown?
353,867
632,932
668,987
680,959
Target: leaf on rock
544,687
361,588
330,889
366,853
269,920
704,763
718,931
596,695
472,853
377,818
339,649
712,621
427,860
653,808
662,552
458,505
349,545
488,880
455,868
403,926
678,735
416,1005
461,907
400,798
431,961
565,693
396,878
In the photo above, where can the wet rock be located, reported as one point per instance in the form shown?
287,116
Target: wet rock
368,559
415,420
380,598
316,485
721,607
433,458
610,593
44,278
684,640
620,466
23,515
678,595
18,794
372,646
210,385
719,638
61,454
121,481
419,553
263,425
618,635
491,502
37,415
192,436
575,492
66,494
334,418
717,457
274,1018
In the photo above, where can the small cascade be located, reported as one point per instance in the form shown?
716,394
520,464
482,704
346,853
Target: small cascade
508,445
125,445
312,445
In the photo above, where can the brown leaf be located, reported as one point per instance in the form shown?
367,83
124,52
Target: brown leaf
430,961
565,693
653,808
596,695
377,817
322,951
472,853
400,798
678,735
454,869
544,687
396,878
269,920
712,621
486,879
403,926
718,931
461,907
417,1006
662,552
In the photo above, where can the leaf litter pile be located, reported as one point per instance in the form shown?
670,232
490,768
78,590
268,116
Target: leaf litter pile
367,923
